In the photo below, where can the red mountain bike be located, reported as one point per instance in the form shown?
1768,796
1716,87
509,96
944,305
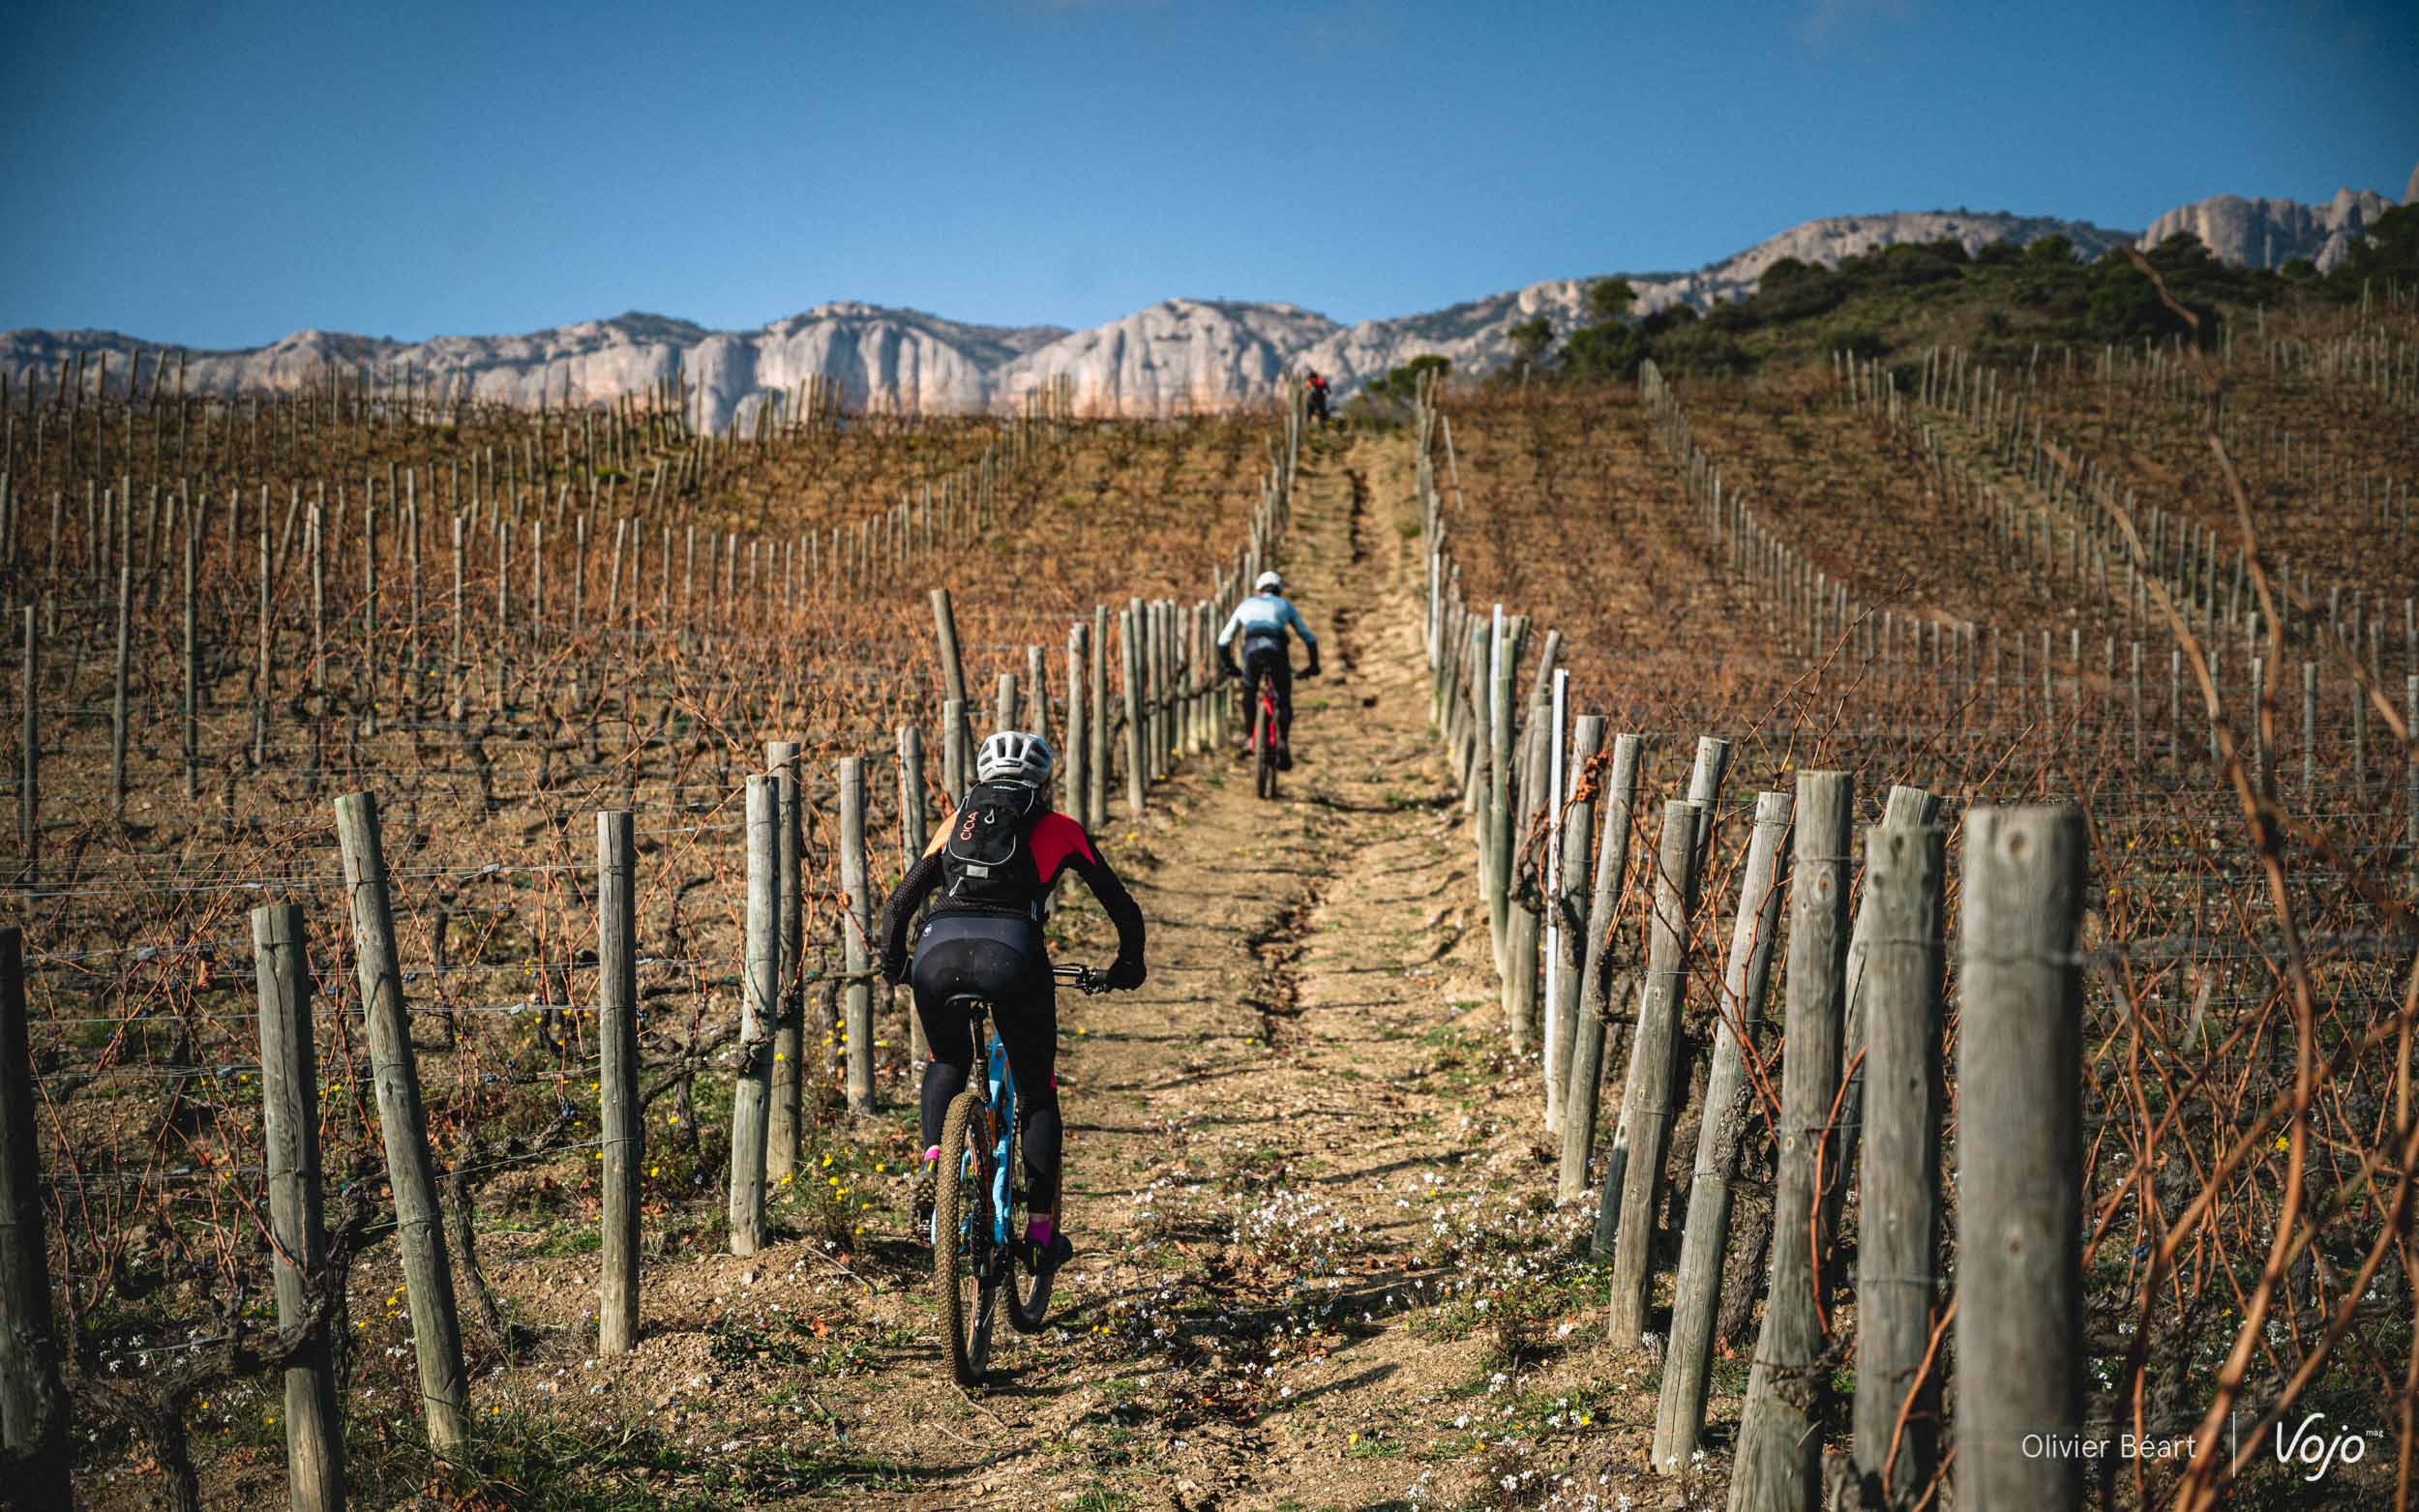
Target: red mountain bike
1263,741
1265,747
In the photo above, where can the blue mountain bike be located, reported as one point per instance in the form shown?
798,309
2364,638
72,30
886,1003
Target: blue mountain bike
979,1204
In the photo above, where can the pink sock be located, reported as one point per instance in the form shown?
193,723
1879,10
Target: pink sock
1038,1231
934,1153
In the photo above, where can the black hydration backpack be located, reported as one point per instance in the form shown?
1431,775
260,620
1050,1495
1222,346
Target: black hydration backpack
988,860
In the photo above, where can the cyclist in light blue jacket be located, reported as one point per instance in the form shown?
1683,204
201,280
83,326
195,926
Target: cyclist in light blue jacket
1264,621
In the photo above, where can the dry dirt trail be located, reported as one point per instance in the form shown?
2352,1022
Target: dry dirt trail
1295,1161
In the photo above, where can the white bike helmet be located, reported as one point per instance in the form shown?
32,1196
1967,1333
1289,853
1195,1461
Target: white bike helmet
1015,755
1270,582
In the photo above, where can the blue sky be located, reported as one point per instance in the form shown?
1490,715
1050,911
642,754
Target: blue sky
221,175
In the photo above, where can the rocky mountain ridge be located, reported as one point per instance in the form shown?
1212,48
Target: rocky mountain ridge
2269,233
1178,355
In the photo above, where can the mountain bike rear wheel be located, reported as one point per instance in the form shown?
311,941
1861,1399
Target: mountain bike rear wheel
1263,753
967,1260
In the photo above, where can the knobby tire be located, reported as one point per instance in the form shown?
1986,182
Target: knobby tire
1263,753
1028,1292
962,1260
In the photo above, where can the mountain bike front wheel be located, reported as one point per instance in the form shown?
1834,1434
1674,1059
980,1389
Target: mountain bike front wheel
967,1261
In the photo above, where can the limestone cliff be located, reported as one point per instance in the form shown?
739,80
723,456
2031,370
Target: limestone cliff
1176,355
2269,233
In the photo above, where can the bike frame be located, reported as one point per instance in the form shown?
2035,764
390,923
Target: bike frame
999,1108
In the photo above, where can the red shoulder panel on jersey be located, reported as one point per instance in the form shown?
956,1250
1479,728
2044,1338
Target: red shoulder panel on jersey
1057,841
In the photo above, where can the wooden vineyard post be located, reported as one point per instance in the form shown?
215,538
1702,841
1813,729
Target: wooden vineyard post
1003,706
953,748
1144,694
1570,937
2309,729
1586,1071
33,1406
125,611
192,723
623,1128
2019,1360
457,603
289,1120
29,748
751,1091
1137,768
858,927
1647,1109
1679,1413
1163,685
952,668
1037,693
1897,1205
1705,778
1780,1446
1096,803
1497,830
428,1273
914,835
1905,806
1077,783
789,1003
1523,929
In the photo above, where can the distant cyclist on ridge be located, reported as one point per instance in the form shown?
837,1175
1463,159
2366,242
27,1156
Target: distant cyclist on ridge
1262,621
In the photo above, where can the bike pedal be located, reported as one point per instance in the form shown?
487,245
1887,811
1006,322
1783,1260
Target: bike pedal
1057,1253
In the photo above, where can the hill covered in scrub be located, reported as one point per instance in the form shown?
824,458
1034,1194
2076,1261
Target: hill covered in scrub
2002,301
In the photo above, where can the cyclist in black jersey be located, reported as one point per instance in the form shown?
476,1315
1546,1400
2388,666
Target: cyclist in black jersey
986,873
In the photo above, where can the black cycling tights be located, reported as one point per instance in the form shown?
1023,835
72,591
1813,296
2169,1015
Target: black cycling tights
1002,960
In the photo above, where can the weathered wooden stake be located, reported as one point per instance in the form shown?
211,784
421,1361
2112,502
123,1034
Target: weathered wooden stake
1076,782
419,1231
33,1406
1680,1412
1137,761
1523,929
125,611
192,723
858,937
760,1006
1655,1074
1570,915
955,772
945,624
1595,1008
1898,1200
2020,1357
622,1128
1036,695
29,747
1906,807
1780,1446
1096,803
290,1118
914,836
782,1121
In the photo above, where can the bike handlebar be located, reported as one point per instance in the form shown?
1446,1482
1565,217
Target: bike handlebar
1089,982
